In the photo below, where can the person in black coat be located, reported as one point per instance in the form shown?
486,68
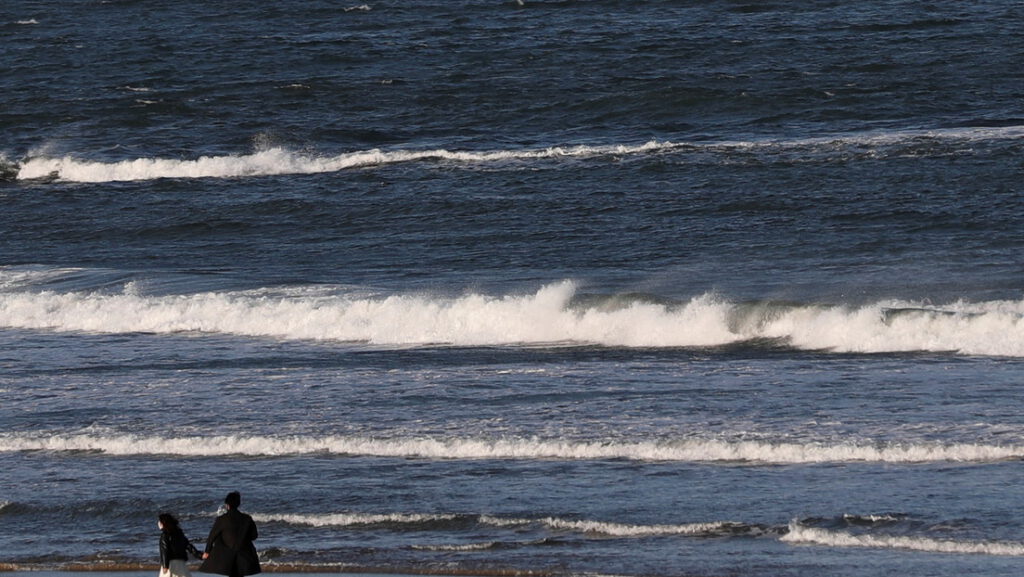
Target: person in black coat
229,548
174,548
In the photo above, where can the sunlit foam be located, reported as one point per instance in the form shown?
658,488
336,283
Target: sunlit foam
517,448
544,317
799,534
270,161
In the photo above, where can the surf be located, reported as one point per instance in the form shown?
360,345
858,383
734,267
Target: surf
802,535
281,160
554,315
693,450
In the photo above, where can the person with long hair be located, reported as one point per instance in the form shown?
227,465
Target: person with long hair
174,548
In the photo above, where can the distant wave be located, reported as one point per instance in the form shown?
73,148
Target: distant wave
709,529
714,528
279,160
799,534
552,315
460,548
688,450
274,161
352,519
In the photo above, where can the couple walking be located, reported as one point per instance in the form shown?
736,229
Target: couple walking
229,549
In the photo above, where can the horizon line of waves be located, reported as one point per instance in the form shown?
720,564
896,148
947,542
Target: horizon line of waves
801,535
280,161
552,314
687,450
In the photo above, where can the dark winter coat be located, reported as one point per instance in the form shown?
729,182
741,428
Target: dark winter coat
230,546
175,545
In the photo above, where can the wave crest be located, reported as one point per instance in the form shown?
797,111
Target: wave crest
551,315
713,528
799,534
687,450
353,519
277,160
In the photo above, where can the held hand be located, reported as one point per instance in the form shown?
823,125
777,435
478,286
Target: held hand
206,556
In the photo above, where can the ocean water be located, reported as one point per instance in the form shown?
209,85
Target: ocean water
655,288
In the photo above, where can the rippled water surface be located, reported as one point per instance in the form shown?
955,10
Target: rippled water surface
591,288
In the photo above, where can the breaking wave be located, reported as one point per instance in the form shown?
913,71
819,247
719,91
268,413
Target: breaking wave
711,529
277,160
554,314
686,450
715,528
352,519
799,534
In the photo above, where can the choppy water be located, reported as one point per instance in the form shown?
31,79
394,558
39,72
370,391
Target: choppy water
582,287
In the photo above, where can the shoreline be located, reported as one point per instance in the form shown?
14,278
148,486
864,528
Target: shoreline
150,569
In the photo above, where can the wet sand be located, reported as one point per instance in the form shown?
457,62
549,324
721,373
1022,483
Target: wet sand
153,573
144,570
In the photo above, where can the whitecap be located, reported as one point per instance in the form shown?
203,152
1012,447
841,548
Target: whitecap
799,534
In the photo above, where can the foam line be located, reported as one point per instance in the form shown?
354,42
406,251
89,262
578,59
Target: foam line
625,530
350,519
276,161
279,160
555,523
799,534
687,450
548,316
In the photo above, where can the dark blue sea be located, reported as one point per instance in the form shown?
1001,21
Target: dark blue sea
651,288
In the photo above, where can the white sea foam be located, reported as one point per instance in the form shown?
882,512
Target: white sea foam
350,519
555,523
473,319
274,161
544,317
799,534
278,160
460,548
626,530
688,450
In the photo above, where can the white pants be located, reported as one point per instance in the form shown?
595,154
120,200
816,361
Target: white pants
178,569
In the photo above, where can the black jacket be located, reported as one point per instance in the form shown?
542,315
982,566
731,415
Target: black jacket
175,545
230,546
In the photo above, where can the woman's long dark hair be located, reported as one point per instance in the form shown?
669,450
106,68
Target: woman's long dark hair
169,522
